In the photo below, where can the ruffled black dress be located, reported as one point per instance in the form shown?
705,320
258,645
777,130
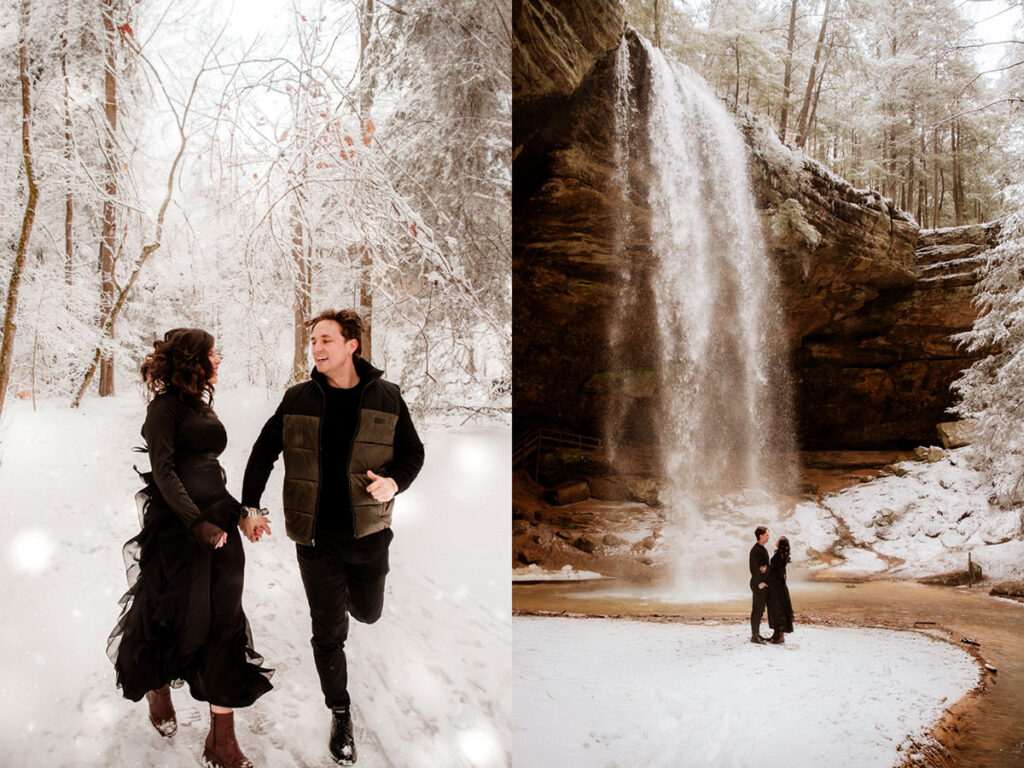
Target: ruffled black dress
182,617
780,609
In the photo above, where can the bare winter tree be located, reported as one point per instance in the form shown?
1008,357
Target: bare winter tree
28,219
108,226
453,90
181,117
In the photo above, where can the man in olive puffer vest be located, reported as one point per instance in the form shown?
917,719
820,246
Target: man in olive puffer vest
349,446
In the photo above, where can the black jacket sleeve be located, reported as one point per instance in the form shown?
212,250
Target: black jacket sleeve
265,450
162,418
758,557
407,461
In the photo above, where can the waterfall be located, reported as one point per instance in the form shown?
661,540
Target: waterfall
724,395
625,300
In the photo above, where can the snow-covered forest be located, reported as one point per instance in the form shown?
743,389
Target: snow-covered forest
908,97
241,168
992,390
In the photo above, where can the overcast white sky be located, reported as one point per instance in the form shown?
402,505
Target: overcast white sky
995,21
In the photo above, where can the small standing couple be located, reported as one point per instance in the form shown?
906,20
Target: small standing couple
349,446
768,585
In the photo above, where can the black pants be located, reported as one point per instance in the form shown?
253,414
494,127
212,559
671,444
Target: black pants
341,578
760,601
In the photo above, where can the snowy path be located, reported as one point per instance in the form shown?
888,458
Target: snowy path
427,680
613,692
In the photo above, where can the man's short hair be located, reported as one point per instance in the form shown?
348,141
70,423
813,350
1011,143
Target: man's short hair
760,531
351,325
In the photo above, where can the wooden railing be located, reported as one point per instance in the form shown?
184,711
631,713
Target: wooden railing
539,441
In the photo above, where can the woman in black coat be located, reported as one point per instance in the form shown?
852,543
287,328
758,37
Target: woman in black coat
780,609
182,619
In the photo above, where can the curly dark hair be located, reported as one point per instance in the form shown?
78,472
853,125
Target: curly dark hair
180,364
352,326
782,545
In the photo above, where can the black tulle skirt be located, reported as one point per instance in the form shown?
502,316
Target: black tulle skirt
181,619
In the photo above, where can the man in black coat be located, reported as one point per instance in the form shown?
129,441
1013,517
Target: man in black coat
349,447
758,583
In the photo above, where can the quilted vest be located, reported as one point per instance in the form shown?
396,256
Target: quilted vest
372,449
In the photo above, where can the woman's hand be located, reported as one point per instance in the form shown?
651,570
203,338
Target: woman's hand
254,527
383,489
212,536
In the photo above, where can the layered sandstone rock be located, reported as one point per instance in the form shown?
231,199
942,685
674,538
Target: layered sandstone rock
881,376
557,42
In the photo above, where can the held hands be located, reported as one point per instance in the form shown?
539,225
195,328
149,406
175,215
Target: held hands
254,527
763,568
383,489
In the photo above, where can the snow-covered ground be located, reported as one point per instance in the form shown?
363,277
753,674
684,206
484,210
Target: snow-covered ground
428,680
600,693
930,519
566,573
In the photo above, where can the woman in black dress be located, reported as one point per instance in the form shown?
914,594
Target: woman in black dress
182,618
780,609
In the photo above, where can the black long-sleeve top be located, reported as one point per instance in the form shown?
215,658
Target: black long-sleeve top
183,443
758,558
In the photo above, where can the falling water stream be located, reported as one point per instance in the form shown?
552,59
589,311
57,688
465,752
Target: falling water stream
725,386
724,419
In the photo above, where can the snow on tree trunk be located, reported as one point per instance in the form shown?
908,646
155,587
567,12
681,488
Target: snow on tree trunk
28,219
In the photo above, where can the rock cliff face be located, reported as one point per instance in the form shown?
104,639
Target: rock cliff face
870,301
879,376
557,43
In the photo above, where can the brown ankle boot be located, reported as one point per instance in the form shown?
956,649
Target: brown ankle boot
161,711
222,750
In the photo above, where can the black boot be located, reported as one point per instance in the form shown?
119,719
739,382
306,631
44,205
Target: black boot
342,744
758,639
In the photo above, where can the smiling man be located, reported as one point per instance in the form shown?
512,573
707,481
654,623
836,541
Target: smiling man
349,446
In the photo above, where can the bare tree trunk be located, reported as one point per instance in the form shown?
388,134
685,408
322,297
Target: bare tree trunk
817,95
958,185
303,287
28,219
365,302
657,23
936,175
365,105
801,131
908,203
109,225
69,202
787,80
922,186
736,95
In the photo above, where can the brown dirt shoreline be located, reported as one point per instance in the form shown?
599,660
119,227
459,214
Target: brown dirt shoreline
984,729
